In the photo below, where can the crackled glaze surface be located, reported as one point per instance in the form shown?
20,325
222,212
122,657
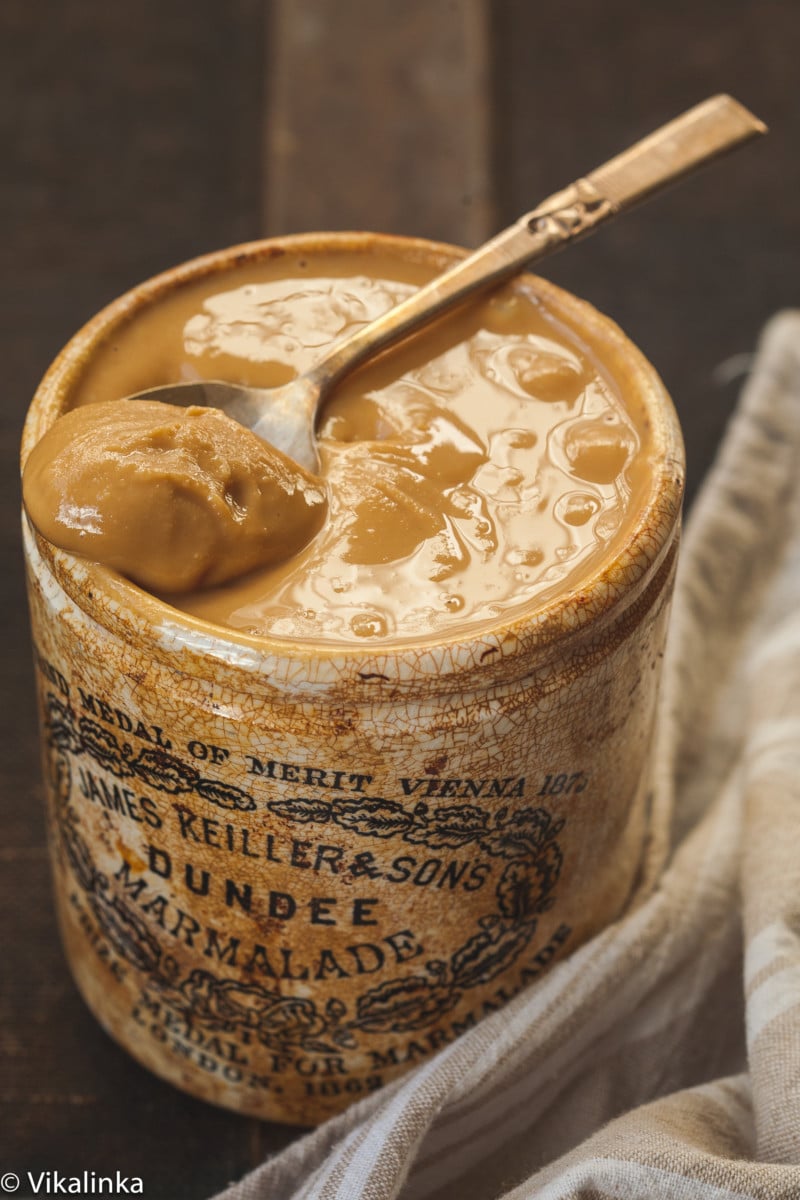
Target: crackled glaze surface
283,876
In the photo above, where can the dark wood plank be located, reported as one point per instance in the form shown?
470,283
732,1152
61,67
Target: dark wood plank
131,140
693,276
378,118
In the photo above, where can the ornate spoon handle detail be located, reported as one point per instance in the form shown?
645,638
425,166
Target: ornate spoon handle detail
692,139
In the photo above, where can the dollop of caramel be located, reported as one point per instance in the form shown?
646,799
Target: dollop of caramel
173,498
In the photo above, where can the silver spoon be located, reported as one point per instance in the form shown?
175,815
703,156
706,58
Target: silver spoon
286,416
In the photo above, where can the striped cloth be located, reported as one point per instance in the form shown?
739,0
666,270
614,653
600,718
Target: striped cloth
662,1059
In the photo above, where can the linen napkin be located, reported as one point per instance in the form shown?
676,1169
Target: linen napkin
661,1059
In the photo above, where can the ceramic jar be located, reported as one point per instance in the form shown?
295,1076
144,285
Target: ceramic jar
285,873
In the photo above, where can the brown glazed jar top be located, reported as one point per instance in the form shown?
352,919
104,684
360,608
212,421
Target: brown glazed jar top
294,658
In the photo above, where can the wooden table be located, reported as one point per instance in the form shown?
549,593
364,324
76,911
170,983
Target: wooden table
138,135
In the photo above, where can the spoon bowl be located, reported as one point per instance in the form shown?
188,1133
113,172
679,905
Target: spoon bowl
286,416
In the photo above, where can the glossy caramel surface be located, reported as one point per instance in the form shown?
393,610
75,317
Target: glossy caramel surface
482,468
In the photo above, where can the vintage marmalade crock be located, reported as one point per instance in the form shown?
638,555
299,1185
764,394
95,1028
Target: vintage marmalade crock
285,873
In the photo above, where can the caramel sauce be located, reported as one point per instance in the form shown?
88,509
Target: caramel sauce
174,498
478,470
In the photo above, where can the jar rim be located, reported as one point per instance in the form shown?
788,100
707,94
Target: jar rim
534,630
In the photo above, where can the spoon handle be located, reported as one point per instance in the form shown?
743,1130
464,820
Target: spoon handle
697,136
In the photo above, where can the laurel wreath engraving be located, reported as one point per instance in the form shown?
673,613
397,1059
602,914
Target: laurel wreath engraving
525,839
154,766
442,827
